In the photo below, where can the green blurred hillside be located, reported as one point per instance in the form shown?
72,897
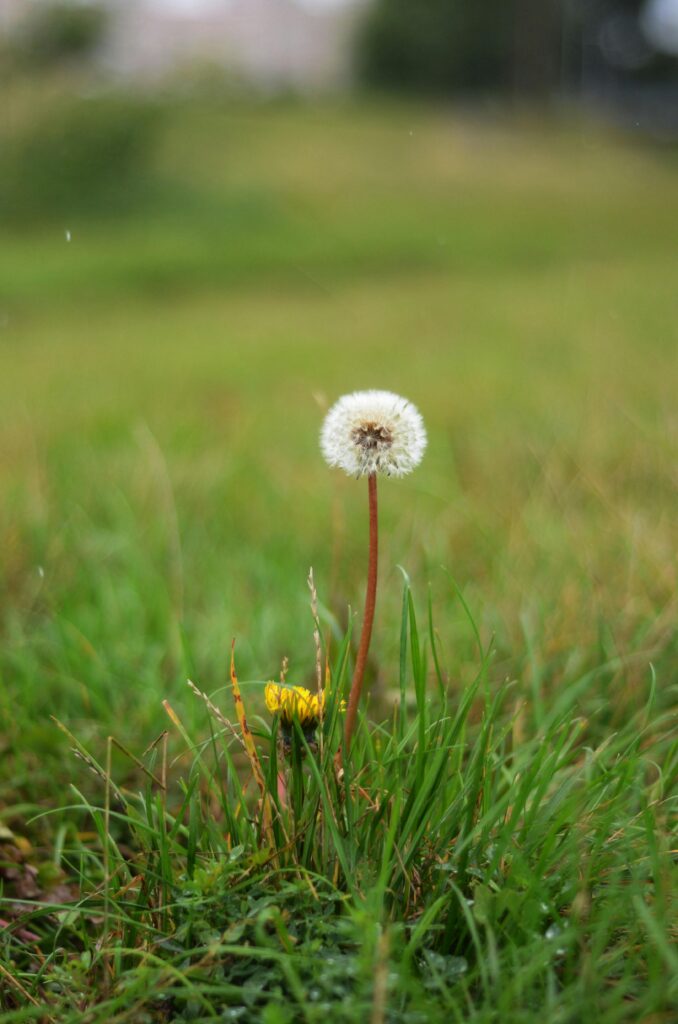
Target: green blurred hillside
164,368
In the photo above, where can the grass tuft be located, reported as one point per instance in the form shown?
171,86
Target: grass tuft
464,862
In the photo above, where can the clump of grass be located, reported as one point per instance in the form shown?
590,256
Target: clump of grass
465,864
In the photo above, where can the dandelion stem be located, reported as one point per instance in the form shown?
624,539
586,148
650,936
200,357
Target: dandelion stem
368,615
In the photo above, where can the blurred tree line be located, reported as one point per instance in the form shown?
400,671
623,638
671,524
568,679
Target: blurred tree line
63,153
57,32
530,47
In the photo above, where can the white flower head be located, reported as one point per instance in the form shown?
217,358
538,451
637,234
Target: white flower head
373,432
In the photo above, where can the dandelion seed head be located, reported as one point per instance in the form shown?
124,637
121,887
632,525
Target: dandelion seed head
373,432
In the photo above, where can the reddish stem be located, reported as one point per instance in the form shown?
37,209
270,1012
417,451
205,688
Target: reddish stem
368,616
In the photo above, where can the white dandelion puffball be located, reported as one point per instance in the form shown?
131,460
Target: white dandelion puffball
373,432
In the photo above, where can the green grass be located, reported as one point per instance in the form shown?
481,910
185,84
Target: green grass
500,848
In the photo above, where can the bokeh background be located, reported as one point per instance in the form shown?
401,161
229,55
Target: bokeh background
216,217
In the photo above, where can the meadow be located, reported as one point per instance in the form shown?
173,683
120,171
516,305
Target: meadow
500,848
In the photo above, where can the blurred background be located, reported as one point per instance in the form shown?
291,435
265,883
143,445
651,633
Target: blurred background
218,215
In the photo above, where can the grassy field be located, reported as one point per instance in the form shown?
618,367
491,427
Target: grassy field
164,371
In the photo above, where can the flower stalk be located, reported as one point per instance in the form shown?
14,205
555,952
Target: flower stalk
368,614
368,433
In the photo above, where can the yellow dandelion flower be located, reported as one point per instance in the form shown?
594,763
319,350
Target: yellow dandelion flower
296,702
293,702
